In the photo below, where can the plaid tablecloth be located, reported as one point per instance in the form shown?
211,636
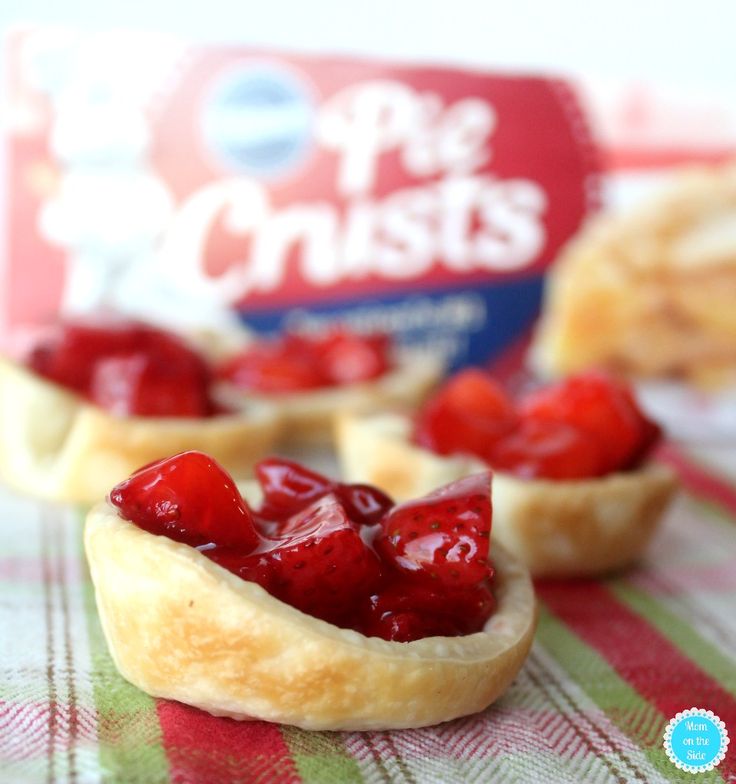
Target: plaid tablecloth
613,661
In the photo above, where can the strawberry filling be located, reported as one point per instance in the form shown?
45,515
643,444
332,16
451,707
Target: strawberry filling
126,367
586,426
343,553
295,362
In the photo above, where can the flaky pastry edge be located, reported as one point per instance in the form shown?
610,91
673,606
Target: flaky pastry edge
628,291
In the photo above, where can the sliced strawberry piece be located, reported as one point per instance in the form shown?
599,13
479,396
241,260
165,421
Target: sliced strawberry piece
409,608
444,535
126,367
324,568
189,498
347,358
269,367
406,626
365,505
543,448
142,385
289,487
600,406
69,353
174,382
299,362
468,414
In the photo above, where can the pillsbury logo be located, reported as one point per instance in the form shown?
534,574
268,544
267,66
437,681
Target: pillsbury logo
696,740
258,120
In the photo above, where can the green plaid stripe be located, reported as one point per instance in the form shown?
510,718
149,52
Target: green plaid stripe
683,635
321,757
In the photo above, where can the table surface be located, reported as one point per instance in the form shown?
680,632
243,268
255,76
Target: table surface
613,661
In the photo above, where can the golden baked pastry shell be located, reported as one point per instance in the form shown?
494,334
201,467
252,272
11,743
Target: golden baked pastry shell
55,445
179,626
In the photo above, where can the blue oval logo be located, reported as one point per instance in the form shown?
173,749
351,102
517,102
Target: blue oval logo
259,119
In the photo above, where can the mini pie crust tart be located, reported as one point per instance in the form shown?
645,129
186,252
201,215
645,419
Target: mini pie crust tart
308,417
651,291
180,626
557,528
56,445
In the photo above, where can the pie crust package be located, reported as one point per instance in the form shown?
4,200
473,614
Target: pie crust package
307,418
651,292
56,445
557,528
180,626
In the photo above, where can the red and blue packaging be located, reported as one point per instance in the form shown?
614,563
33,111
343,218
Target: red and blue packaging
191,183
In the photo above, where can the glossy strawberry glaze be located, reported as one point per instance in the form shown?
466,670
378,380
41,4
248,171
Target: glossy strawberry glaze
586,426
126,367
342,553
297,363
